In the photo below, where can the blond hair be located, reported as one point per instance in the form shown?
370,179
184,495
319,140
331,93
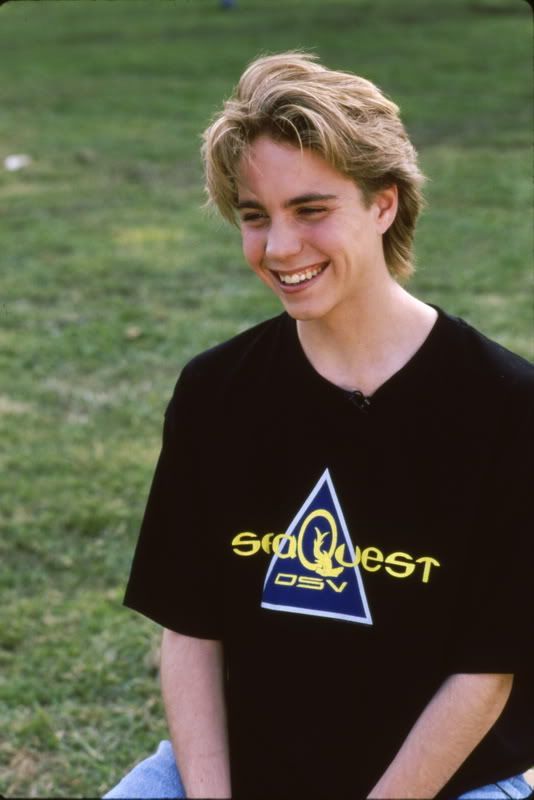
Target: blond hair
340,116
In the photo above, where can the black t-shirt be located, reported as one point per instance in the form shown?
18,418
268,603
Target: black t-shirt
349,556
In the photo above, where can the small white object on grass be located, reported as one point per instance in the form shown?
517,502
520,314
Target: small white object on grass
15,162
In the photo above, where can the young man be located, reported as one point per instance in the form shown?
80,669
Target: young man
336,540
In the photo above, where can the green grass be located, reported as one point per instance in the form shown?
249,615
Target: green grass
112,277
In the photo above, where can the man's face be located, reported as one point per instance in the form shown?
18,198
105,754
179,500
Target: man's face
306,231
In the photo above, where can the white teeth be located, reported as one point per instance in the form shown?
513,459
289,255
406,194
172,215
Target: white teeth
300,277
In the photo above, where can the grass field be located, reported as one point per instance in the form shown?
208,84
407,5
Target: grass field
112,277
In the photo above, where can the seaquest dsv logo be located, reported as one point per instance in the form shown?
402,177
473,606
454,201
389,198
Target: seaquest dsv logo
315,569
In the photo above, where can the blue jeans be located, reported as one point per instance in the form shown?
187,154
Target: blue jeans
516,788
158,777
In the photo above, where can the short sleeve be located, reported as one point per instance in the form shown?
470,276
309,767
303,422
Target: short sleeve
175,574
496,609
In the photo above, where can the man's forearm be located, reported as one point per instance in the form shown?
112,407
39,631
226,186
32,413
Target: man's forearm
453,723
193,694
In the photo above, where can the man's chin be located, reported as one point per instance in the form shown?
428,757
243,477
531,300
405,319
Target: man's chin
302,315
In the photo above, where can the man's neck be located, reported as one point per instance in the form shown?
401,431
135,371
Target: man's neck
362,345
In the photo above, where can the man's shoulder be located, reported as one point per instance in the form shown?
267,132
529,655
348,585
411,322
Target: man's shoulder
485,364
247,350
244,345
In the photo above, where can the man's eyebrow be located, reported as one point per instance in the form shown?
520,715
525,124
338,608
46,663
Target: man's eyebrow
294,201
309,198
249,204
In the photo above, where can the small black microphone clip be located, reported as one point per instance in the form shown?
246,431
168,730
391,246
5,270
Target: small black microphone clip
359,400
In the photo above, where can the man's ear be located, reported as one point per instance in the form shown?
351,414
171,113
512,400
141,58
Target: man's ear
386,203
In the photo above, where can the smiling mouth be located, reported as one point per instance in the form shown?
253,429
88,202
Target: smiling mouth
300,276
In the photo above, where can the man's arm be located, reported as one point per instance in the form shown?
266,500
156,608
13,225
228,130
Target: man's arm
456,719
192,684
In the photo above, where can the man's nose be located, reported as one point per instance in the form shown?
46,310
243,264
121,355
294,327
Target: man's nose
283,241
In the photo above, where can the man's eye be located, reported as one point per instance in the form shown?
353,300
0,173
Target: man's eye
252,217
308,211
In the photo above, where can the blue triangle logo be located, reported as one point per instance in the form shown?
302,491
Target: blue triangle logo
314,569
